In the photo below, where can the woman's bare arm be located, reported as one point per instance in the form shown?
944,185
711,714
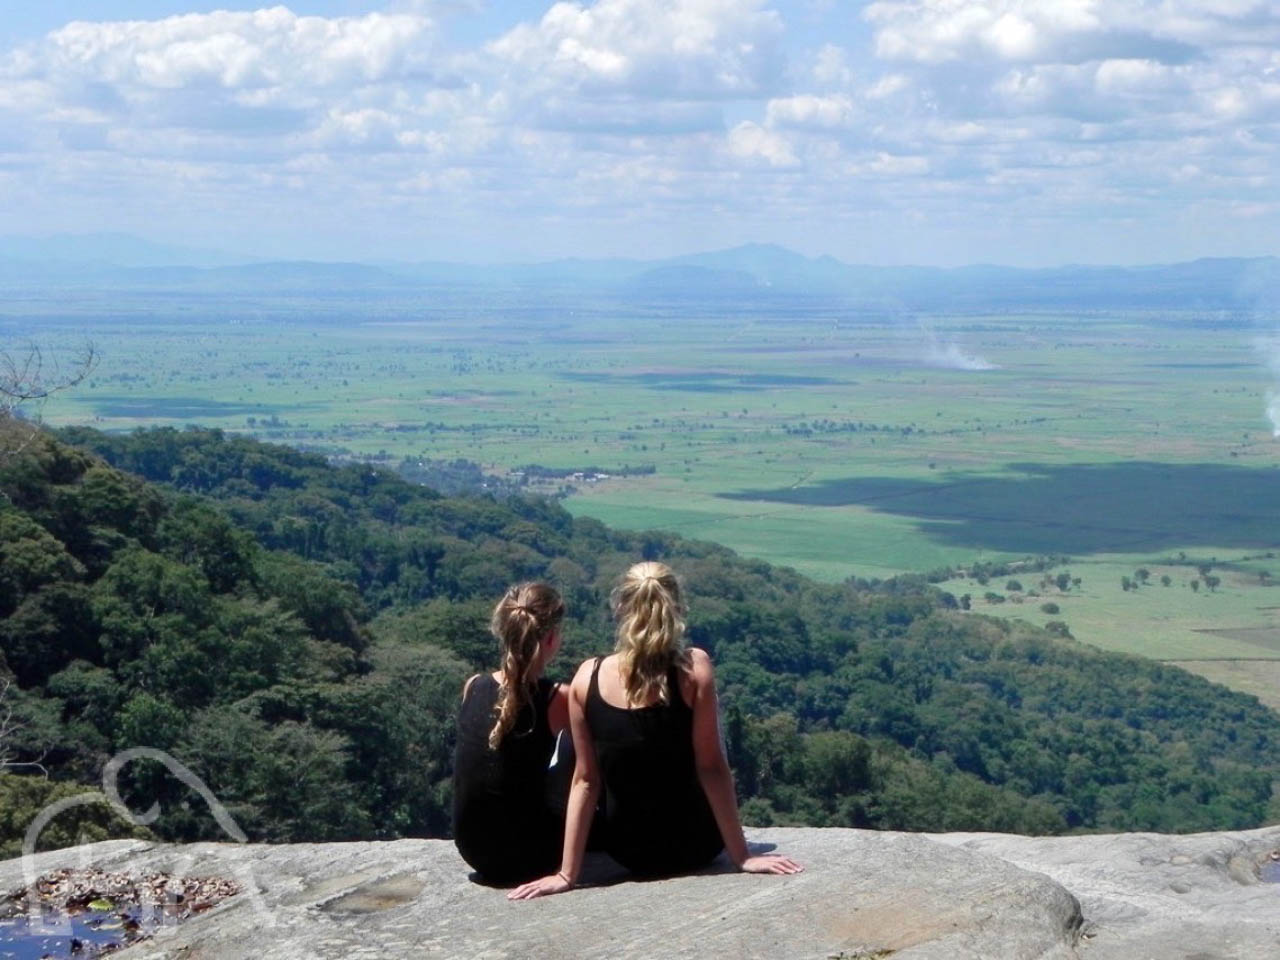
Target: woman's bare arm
583,792
717,779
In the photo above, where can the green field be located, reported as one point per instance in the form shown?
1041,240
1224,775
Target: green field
1229,633
834,441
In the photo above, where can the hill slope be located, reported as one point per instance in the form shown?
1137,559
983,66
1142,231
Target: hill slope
297,634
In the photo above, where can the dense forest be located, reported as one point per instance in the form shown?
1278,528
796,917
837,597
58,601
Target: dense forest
297,634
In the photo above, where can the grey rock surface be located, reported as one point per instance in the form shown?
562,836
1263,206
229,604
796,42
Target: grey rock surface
863,895
1150,896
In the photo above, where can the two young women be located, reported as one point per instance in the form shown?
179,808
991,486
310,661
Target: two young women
645,734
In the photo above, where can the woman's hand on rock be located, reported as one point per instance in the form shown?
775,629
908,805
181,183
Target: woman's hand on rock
542,887
770,863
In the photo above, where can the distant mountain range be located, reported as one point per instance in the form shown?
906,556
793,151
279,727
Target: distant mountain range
755,271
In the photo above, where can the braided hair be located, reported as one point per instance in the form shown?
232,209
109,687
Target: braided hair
526,615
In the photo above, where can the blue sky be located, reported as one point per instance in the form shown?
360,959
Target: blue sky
896,131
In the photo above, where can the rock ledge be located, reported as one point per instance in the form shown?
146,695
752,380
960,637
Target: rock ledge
864,895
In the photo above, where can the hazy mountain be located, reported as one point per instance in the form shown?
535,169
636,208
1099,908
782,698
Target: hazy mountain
691,280
290,275
774,266
113,261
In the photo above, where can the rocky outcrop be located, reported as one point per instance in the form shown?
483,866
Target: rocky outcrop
1209,896
863,895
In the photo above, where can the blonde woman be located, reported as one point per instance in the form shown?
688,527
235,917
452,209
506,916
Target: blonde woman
646,729
506,823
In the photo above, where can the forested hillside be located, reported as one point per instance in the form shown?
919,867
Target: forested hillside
298,633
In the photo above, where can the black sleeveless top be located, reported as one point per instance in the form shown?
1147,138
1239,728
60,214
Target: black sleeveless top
658,820
502,823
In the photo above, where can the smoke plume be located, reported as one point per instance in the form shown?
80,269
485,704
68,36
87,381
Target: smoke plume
1270,351
950,356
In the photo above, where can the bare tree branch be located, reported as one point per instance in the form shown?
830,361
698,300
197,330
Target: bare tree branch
10,726
7,723
28,376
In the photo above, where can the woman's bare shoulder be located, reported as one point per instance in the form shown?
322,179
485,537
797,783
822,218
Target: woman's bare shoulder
700,669
700,661
582,676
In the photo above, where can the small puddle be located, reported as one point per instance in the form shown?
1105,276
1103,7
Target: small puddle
90,913
57,934
1269,872
377,896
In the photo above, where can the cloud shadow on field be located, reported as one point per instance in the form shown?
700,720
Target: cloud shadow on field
702,381
1075,509
185,408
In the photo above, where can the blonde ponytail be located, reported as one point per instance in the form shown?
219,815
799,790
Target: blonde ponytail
650,631
526,615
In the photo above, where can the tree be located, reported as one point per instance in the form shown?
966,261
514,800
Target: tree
1212,582
836,762
1126,584
10,727
23,798
1013,586
27,376
129,613
1142,574
1165,580
1063,580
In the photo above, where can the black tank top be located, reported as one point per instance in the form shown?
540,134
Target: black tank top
657,817
502,824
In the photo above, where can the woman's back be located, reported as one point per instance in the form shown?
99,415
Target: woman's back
658,820
501,823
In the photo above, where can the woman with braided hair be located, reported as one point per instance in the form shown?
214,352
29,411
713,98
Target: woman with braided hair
507,823
646,731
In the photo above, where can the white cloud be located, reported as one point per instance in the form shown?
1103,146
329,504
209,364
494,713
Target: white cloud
650,48
262,84
752,142
1004,113
272,48
260,74
811,111
1067,31
887,86
1116,69
831,67
933,31
1133,77
890,165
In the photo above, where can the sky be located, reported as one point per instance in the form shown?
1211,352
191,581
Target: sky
1023,132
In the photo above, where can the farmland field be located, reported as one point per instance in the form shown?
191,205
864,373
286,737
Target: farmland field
836,441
